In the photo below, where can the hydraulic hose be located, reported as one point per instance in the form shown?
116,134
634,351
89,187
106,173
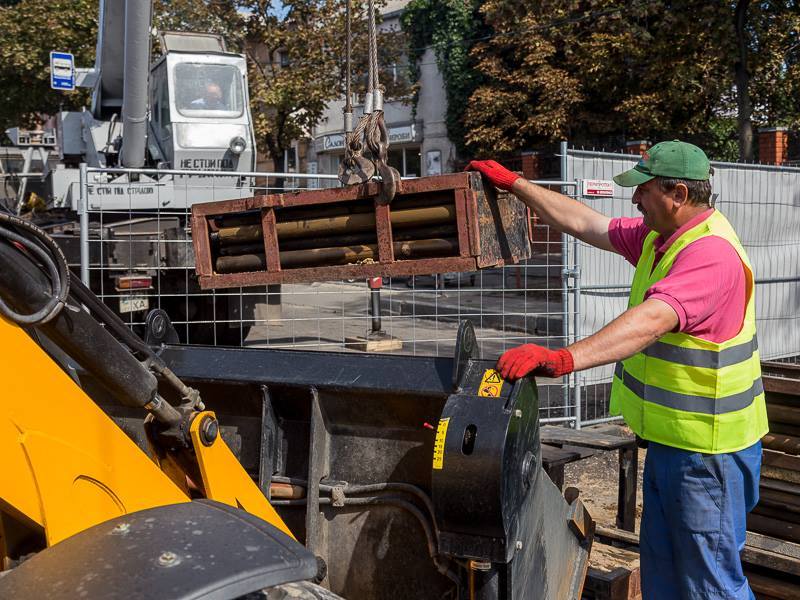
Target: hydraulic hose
34,274
29,238
371,488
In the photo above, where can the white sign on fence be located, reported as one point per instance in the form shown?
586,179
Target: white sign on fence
594,188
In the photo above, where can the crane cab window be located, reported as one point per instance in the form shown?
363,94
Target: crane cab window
203,90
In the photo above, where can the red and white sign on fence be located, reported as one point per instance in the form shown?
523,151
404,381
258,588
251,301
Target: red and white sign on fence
603,188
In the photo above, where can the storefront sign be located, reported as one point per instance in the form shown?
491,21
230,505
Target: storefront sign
333,142
406,133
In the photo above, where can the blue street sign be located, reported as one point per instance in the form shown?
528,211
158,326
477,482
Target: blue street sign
62,71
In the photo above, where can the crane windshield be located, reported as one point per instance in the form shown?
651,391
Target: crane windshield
204,90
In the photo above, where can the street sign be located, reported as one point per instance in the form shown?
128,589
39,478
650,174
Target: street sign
62,71
603,188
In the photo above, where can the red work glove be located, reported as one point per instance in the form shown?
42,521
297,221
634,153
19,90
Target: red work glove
495,172
520,361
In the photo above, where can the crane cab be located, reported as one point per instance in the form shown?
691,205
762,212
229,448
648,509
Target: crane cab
199,106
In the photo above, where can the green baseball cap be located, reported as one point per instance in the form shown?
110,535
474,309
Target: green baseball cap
667,159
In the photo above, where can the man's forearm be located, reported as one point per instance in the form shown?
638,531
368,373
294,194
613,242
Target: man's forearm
564,213
631,332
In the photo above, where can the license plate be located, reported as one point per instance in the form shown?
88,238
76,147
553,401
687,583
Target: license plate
131,304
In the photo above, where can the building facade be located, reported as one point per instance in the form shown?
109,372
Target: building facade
419,145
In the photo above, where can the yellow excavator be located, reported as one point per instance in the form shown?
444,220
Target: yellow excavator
143,470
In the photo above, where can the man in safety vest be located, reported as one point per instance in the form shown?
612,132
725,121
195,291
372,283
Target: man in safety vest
687,377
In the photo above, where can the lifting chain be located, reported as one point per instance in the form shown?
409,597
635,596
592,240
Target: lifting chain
371,127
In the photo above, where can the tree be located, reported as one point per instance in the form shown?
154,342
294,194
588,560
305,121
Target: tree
595,70
767,54
601,71
29,29
296,65
207,16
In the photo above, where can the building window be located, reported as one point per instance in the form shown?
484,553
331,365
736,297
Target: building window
406,161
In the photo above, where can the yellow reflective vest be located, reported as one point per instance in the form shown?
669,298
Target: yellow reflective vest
687,392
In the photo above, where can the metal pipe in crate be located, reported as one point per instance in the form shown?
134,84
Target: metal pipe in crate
341,255
448,223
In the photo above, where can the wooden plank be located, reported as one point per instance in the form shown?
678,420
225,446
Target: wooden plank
582,437
771,586
774,527
783,414
765,542
760,550
472,223
785,429
782,443
619,584
778,497
626,497
787,475
780,486
776,510
616,535
770,560
780,460
782,385
557,457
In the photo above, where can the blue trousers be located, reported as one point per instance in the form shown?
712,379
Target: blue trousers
693,522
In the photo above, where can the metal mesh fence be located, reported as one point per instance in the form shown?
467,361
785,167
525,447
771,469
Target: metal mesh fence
137,255
763,206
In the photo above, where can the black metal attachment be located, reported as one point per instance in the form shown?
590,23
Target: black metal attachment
380,485
467,349
484,474
159,329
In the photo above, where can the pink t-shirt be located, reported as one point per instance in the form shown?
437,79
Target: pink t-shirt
705,285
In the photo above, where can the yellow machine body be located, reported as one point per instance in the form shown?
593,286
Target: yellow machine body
67,466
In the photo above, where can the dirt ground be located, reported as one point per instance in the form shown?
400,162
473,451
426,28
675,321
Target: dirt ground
597,479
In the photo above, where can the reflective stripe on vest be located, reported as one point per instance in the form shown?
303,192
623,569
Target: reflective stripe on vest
687,402
696,357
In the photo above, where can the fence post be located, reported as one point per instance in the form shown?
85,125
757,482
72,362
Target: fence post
576,303
83,212
564,275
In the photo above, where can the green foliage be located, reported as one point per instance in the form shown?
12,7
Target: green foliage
28,30
601,70
207,16
449,28
720,141
774,62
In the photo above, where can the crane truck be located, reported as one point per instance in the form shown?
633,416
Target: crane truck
187,111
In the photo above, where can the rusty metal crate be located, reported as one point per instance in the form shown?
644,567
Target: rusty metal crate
447,223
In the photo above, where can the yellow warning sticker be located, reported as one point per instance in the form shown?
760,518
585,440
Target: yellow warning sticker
438,444
491,384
